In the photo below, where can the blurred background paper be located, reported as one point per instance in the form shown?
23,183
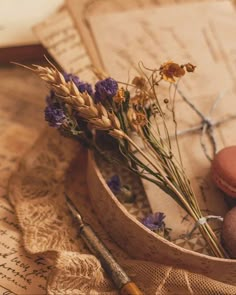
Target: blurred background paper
82,10
17,18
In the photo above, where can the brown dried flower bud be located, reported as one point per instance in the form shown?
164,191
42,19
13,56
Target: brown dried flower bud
189,67
139,82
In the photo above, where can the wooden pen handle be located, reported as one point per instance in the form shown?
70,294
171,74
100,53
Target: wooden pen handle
130,289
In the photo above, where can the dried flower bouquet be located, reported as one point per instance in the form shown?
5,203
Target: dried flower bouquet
119,109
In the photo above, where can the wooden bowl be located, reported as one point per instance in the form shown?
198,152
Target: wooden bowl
143,244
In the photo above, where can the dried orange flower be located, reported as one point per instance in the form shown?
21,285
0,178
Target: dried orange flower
170,70
120,96
139,82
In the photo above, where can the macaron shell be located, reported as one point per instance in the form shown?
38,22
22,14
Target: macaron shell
229,232
224,170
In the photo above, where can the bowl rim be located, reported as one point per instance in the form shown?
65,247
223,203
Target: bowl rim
92,161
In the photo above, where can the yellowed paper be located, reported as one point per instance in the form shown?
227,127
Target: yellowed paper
62,40
182,33
20,272
82,10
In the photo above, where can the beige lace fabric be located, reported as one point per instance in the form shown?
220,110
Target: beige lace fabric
55,165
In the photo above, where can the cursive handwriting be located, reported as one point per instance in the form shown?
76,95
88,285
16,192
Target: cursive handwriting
60,36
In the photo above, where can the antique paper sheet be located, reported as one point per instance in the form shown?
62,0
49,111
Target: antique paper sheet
183,34
82,10
62,40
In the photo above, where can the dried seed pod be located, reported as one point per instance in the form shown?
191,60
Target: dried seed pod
190,67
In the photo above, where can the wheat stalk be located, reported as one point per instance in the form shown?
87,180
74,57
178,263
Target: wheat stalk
95,114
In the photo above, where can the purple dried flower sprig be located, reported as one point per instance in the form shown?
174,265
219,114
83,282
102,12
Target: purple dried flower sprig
105,90
122,192
81,85
54,115
114,184
51,98
154,221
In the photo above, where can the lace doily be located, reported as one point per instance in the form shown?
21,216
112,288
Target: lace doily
52,166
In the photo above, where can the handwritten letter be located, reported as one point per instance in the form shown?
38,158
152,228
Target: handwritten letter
62,40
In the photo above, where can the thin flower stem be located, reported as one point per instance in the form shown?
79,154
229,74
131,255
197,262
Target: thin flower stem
175,124
159,170
205,228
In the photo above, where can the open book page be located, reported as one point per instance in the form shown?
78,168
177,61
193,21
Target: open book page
181,33
59,35
21,121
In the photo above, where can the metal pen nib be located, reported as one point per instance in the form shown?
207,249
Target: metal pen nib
118,275
74,211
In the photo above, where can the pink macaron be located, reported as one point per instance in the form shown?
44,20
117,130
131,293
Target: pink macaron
229,232
224,170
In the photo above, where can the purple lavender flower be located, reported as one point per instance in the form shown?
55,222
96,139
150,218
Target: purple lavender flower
82,86
50,97
114,184
105,89
71,77
154,221
54,115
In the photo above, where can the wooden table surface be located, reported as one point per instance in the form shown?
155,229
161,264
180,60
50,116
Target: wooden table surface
22,96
